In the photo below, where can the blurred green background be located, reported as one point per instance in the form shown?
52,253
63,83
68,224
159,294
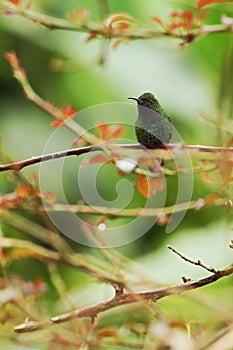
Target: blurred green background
190,82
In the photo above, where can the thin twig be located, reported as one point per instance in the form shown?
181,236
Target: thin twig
158,153
198,262
85,262
124,299
48,107
102,30
131,212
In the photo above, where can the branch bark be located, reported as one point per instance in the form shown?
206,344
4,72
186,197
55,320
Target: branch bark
124,299
159,153
101,30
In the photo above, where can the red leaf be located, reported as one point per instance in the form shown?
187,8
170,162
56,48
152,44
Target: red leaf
103,129
207,178
109,131
9,201
174,13
230,142
92,36
225,167
88,227
81,15
202,15
143,186
57,123
16,2
117,42
23,191
68,110
158,184
12,58
157,20
34,287
201,3
49,197
211,199
99,158
148,186
174,26
188,15
116,130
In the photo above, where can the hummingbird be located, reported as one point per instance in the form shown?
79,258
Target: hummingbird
153,127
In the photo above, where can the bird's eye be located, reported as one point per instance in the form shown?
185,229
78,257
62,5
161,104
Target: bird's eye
151,101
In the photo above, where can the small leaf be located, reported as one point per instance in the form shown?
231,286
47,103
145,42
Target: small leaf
143,186
116,130
201,3
37,286
102,128
49,197
12,58
207,178
188,15
15,2
230,142
88,227
225,166
158,183
93,34
81,15
109,131
68,111
157,20
23,191
99,158
10,201
108,331
57,123
148,186
211,198
118,41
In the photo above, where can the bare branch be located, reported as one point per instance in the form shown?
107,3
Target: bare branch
198,262
164,153
124,299
143,212
84,262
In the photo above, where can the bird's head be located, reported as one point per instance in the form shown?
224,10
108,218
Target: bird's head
146,100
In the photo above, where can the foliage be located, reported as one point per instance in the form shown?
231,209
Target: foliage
100,295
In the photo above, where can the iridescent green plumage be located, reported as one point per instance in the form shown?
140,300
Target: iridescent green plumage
153,127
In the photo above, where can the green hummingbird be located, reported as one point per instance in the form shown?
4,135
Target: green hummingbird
153,127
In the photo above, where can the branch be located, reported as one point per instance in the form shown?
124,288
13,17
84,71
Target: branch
85,262
100,29
164,153
43,158
124,299
197,263
48,107
132,212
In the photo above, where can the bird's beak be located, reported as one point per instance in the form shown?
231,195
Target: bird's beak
135,99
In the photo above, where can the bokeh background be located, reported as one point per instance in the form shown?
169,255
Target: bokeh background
192,83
